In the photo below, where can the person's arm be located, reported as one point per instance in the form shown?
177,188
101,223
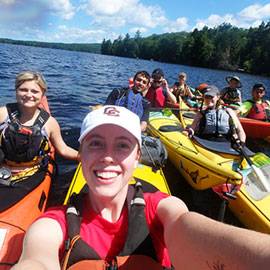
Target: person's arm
170,96
245,108
143,126
112,97
145,117
189,92
240,96
41,246
55,137
3,114
191,129
197,242
239,129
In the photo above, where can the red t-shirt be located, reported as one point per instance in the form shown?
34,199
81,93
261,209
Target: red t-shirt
156,97
108,238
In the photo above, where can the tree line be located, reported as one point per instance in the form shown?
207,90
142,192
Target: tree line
83,47
224,47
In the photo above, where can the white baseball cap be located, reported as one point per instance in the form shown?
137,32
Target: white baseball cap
115,115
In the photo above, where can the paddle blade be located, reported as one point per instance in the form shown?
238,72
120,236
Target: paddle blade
257,182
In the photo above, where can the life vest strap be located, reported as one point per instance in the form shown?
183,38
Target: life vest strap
68,247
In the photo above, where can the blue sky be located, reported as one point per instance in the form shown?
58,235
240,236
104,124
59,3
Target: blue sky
92,20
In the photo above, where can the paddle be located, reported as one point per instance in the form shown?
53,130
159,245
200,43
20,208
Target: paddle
225,192
257,181
181,118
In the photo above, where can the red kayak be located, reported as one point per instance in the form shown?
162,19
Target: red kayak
256,129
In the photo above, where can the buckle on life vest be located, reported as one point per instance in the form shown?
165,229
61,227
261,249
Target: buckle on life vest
111,265
67,244
5,176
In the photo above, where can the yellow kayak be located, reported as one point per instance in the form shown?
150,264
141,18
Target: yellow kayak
251,205
205,168
143,172
201,167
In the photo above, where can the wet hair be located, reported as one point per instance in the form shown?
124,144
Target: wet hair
27,76
143,73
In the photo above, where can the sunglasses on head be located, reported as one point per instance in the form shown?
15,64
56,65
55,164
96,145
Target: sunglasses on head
157,81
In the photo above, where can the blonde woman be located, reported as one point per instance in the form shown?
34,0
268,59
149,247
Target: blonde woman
26,129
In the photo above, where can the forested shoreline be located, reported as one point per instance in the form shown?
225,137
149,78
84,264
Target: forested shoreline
83,47
224,47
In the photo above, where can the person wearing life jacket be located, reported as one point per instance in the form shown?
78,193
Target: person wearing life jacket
213,122
133,98
256,108
159,92
110,226
27,130
180,88
231,95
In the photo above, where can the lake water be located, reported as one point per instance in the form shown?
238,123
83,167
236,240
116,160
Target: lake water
76,80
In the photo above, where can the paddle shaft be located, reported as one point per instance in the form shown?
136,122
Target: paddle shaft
222,210
181,118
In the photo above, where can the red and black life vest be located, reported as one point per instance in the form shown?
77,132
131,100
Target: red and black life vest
138,251
21,143
258,111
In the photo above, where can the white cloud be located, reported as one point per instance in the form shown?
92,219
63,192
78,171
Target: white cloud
214,20
119,13
180,24
251,16
107,7
35,12
7,2
77,35
63,8
255,12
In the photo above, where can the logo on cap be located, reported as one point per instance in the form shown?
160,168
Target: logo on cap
111,111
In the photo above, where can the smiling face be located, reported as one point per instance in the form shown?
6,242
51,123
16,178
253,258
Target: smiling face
210,101
141,83
29,94
258,93
234,83
109,155
182,79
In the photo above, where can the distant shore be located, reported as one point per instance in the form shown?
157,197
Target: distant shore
82,47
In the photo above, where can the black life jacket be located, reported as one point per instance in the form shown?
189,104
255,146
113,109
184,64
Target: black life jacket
22,143
130,100
215,123
138,245
231,95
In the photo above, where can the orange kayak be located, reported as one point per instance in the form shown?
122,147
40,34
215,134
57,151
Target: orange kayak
20,204
256,129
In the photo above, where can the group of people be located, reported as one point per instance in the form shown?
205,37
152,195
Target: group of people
163,232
